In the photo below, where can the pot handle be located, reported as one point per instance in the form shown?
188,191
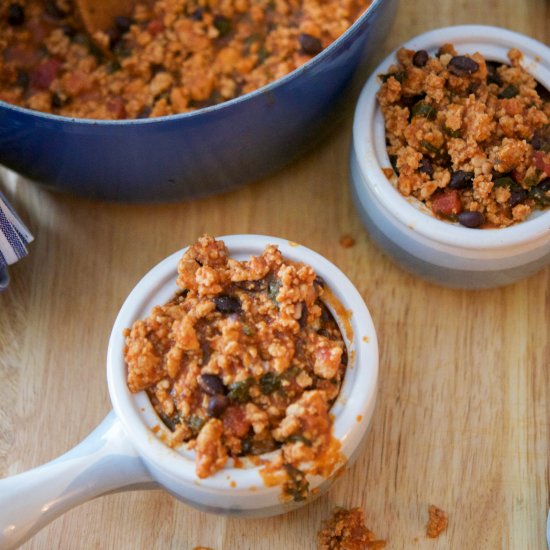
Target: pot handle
104,462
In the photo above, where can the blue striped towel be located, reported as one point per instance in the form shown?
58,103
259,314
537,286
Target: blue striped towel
14,238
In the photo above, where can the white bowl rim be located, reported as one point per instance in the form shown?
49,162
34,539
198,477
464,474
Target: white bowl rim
358,391
368,118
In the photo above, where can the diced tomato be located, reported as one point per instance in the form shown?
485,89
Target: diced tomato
116,106
45,73
540,163
39,29
23,56
234,421
155,26
447,203
513,106
516,175
76,82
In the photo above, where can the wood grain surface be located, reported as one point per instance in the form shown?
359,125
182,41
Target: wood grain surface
462,419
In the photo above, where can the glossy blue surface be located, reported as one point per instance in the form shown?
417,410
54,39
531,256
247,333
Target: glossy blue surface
199,153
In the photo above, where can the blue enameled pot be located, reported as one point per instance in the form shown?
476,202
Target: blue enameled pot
199,153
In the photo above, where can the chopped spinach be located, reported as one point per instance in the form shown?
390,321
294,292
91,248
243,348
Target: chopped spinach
195,423
299,438
171,421
239,391
423,109
269,383
273,289
429,147
297,486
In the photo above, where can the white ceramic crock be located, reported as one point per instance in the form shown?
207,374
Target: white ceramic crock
443,252
123,453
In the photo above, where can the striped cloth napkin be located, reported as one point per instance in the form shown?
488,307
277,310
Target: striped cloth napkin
14,238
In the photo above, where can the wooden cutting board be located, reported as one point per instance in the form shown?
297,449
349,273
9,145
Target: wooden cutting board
462,419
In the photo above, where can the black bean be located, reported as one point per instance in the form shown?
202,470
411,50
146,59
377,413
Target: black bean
492,75
123,24
541,192
206,351
461,179
310,45
144,112
426,166
217,405
471,219
517,196
344,357
23,79
508,92
420,58
227,304
223,25
303,317
197,14
318,281
211,384
54,10
445,160
541,139
473,87
57,100
157,68
460,65
16,15
69,31
114,38
543,92
393,162
325,315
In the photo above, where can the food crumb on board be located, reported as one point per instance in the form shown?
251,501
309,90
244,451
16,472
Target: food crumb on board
437,522
347,241
346,530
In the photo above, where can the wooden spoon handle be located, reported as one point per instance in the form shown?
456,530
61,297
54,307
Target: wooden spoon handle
99,15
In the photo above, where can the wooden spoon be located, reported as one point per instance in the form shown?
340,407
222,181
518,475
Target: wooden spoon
99,15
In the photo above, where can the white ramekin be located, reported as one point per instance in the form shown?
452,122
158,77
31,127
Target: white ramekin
443,252
124,453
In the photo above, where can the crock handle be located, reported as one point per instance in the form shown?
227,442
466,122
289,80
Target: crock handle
104,462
